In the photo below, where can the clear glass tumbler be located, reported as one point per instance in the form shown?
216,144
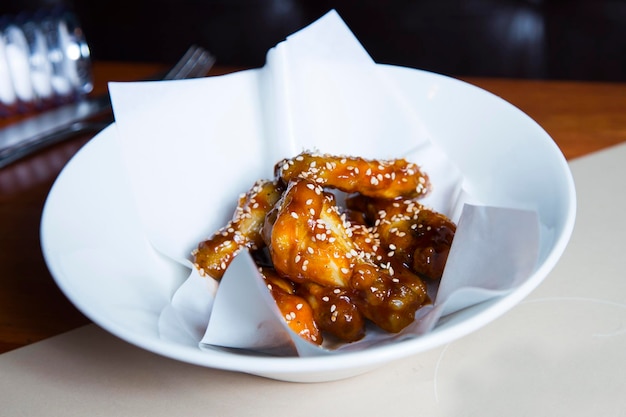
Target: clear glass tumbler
44,61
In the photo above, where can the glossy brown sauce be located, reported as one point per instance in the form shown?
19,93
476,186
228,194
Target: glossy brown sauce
331,269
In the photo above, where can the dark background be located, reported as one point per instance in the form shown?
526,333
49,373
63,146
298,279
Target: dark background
541,39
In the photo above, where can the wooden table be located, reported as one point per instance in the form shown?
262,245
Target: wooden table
581,117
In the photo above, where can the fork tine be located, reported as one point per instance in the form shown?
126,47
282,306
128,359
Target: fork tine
181,64
204,62
197,65
196,62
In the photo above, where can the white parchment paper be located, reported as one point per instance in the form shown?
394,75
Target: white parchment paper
191,147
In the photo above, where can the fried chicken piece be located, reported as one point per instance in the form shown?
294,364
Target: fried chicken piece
307,238
338,267
387,298
385,290
295,309
328,270
410,233
381,179
213,256
334,311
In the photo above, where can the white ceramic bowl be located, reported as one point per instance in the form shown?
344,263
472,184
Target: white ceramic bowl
508,157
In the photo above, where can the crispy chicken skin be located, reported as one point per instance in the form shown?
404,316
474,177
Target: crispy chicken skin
373,178
415,235
213,255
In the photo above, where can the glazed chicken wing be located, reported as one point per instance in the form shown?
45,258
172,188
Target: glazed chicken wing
410,233
294,308
307,238
332,269
382,179
340,268
388,297
335,311
213,256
